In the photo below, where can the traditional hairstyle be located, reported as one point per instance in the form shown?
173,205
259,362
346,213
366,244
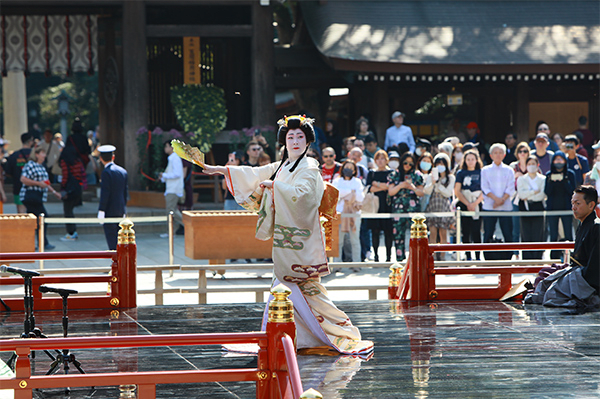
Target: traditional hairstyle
294,122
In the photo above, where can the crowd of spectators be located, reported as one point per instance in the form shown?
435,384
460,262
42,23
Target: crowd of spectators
461,172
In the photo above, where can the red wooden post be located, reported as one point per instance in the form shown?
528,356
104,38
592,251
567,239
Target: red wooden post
23,373
418,271
125,295
280,322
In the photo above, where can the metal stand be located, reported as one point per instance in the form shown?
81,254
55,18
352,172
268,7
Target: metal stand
29,328
5,305
63,357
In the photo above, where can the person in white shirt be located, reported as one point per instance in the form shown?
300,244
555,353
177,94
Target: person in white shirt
350,200
173,178
399,133
498,187
530,188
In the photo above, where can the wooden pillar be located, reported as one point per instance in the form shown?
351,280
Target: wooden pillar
110,86
381,112
135,82
14,107
263,66
521,111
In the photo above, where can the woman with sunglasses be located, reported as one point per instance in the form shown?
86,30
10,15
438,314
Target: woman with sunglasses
522,152
405,188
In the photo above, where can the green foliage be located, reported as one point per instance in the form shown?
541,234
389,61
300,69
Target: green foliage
82,89
201,110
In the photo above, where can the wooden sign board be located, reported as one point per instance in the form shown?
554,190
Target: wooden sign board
191,61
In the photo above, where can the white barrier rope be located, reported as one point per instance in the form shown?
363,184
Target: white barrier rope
154,219
92,220
454,214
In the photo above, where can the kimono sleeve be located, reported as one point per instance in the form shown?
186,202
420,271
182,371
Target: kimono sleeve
243,180
303,193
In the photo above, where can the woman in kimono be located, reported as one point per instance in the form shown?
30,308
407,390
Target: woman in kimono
290,193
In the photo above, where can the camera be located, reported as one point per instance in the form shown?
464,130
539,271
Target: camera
569,146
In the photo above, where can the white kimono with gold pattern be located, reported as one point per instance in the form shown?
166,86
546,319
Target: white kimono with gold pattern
289,212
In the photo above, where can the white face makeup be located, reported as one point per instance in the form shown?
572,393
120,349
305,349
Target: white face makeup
295,142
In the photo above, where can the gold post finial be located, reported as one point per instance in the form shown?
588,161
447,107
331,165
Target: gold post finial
281,309
418,228
395,275
311,394
126,234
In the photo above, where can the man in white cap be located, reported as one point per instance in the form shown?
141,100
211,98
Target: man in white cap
399,133
113,193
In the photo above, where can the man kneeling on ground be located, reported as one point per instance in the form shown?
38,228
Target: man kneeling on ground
577,284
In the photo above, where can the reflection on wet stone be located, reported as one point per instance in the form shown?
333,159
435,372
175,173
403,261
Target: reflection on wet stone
422,350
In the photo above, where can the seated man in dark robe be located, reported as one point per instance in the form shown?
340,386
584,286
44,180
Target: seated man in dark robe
577,284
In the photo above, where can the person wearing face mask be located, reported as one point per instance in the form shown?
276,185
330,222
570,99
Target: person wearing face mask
377,183
530,188
592,178
290,197
440,185
405,189
423,146
350,202
456,158
394,160
425,163
560,183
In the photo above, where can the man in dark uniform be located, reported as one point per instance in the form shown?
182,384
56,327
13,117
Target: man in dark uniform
587,239
113,193
576,284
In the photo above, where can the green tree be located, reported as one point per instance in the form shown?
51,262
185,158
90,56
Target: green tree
83,90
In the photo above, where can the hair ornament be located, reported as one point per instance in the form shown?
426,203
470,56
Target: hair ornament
304,120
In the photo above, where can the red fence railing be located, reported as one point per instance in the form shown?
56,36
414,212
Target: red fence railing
122,292
418,280
276,375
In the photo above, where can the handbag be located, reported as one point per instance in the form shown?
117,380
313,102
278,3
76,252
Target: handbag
33,196
370,203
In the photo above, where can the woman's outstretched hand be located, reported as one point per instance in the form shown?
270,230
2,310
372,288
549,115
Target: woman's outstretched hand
211,170
267,184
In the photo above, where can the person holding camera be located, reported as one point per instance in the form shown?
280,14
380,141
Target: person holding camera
560,183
